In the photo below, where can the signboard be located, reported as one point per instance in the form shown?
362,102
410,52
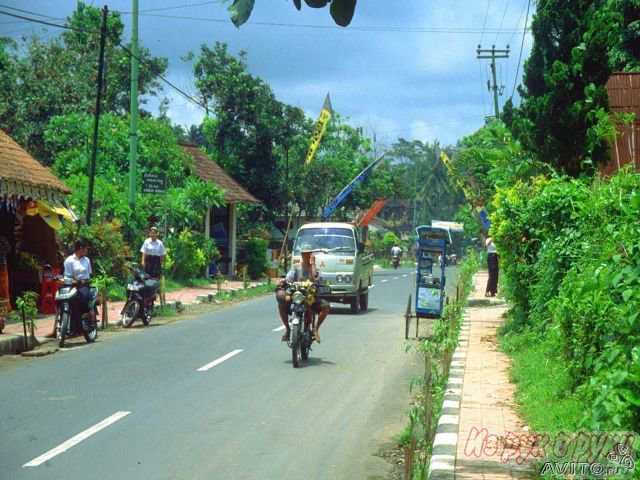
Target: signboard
451,226
154,183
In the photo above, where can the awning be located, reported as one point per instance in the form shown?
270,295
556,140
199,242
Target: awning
53,213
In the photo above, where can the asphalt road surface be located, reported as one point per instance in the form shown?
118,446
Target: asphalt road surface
216,397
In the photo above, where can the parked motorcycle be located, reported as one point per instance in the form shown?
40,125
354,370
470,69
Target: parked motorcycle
69,322
141,296
301,296
395,261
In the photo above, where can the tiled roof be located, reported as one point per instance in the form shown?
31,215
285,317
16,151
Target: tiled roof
207,169
23,175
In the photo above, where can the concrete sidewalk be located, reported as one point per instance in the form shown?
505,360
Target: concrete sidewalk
12,336
478,435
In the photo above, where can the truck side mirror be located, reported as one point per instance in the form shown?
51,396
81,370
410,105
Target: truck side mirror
360,247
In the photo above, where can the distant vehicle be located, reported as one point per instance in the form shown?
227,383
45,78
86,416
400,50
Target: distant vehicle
341,260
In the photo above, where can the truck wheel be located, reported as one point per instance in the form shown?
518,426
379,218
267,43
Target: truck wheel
355,305
364,300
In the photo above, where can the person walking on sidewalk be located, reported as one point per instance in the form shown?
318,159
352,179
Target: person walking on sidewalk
492,264
153,253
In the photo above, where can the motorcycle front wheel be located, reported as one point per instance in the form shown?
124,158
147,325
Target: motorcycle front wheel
148,314
295,346
129,313
63,328
306,342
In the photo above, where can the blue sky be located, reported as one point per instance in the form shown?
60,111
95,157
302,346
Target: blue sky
404,68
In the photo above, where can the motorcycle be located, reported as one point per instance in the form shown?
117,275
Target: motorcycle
395,261
141,296
301,296
69,323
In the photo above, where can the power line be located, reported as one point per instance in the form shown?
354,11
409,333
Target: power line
454,30
30,13
526,21
485,21
524,7
502,20
127,51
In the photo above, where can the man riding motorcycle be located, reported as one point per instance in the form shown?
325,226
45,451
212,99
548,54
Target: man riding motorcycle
78,267
306,270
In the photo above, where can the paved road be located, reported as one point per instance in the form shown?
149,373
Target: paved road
215,397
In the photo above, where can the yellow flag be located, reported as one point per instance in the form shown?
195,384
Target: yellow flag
321,126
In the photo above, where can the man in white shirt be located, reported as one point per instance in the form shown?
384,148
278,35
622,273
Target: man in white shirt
78,267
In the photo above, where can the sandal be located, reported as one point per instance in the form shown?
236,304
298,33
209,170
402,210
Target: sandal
285,337
316,335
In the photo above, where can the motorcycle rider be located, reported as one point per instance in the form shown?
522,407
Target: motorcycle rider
396,250
306,270
78,267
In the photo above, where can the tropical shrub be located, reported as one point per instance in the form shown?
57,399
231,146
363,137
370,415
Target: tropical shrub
256,256
187,259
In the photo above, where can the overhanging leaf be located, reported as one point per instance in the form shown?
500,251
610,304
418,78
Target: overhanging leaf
298,4
240,11
316,3
342,11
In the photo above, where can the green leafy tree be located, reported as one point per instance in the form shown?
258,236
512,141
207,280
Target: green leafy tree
45,78
576,47
247,120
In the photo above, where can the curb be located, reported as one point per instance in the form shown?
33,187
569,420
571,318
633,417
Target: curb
13,344
445,443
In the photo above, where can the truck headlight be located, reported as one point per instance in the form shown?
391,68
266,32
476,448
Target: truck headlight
348,279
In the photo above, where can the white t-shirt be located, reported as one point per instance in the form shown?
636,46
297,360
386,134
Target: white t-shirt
491,248
77,268
150,247
396,251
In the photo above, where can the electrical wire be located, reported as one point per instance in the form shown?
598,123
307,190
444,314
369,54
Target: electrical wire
526,21
486,15
126,50
454,30
502,20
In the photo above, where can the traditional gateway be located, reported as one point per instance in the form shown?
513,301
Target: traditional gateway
341,260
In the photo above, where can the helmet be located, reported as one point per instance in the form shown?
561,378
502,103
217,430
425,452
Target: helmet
306,248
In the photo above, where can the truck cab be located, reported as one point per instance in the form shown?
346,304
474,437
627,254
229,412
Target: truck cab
340,259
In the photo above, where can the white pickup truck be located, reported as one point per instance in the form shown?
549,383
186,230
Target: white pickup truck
340,259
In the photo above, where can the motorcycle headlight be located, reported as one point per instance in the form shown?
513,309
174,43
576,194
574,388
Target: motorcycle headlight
133,287
298,298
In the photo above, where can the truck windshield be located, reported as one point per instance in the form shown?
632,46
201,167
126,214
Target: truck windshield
326,238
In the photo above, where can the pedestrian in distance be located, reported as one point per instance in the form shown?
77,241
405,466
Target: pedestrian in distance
492,265
153,254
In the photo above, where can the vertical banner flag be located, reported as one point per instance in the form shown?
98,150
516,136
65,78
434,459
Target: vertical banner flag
321,126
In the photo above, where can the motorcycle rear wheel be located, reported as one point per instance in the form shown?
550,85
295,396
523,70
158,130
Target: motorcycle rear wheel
295,346
92,334
64,328
129,313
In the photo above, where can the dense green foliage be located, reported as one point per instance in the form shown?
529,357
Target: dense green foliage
42,78
577,45
256,256
570,252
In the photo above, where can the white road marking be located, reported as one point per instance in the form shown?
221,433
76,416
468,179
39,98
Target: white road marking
219,360
371,286
63,447
385,280
396,278
281,327
405,275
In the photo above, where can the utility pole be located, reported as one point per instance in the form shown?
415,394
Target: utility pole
96,121
493,55
133,130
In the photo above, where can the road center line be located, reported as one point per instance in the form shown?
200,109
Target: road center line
63,447
281,327
385,280
219,360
